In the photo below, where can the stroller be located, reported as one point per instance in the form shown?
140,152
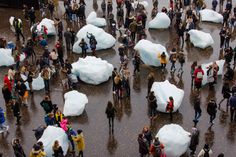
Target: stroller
72,81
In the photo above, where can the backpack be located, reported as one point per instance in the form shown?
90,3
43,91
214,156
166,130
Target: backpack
199,75
206,154
157,150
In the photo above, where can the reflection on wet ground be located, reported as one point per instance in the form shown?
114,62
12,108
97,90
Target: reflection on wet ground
132,113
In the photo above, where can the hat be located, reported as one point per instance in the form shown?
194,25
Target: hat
79,131
206,146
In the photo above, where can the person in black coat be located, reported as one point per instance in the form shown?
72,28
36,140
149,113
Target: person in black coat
150,82
226,94
152,105
16,110
46,103
6,94
110,112
197,109
194,140
21,89
143,149
211,110
18,150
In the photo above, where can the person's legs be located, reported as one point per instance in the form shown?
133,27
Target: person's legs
231,114
220,102
109,121
81,154
171,115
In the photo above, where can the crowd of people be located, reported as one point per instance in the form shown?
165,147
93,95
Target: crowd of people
130,22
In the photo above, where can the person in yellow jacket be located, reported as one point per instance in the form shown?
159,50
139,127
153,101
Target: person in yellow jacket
79,140
163,59
37,151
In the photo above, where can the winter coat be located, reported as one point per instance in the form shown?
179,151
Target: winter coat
63,124
58,152
2,116
226,92
211,108
38,153
16,109
202,152
194,140
47,106
152,101
79,139
163,58
18,150
232,101
110,112
133,26
6,93
196,74
38,132
143,149
8,82
21,89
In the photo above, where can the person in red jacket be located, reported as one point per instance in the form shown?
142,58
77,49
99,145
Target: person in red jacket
170,107
8,82
198,75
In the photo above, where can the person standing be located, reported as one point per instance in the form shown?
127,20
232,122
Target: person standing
46,103
37,151
110,112
211,110
6,94
173,58
32,16
18,150
133,28
232,103
16,110
206,151
163,60
60,52
152,102
222,36
181,60
58,152
68,38
136,63
79,139
193,67
170,107
143,149
92,42
46,77
150,82
59,28
194,140
22,92
17,23
3,127
84,47
198,75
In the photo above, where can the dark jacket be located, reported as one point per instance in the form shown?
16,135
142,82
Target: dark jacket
194,140
211,108
152,101
143,149
6,93
58,152
232,101
47,106
16,109
110,112
18,150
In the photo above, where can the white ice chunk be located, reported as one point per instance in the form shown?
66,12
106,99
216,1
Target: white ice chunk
163,90
149,52
49,24
92,70
74,103
200,39
37,83
211,16
96,21
161,21
220,63
104,40
50,135
175,139
6,58
144,3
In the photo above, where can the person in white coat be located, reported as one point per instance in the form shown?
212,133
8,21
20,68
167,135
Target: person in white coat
206,151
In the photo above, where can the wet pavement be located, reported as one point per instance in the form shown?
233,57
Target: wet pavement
132,113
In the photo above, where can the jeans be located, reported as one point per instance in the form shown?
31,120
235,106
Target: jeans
46,83
198,114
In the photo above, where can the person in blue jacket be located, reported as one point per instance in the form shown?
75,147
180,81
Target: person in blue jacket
2,120
232,103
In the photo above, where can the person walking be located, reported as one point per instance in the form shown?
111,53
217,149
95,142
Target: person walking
17,23
232,103
152,103
79,140
226,94
193,67
194,141
222,36
110,112
205,152
173,58
46,103
211,110
22,92
57,149
6,94
136,63
143,149
197,109
16,110
18,150
170,107
181,59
